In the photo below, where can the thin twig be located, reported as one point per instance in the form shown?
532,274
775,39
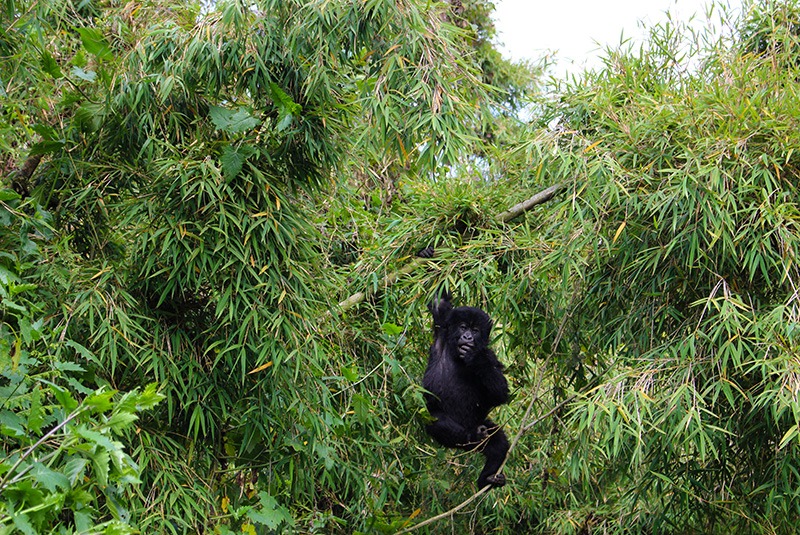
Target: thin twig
446,514
39,442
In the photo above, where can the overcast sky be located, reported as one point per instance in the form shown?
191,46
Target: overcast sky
573,28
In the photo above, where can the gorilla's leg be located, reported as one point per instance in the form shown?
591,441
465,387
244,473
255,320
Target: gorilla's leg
450,433
495,451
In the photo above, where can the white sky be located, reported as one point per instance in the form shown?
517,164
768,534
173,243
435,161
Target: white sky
576,30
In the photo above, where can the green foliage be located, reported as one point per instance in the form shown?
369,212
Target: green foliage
184,158
63,467
771,30
683,232
219,182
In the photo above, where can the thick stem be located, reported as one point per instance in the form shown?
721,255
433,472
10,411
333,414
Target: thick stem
21,177
519,209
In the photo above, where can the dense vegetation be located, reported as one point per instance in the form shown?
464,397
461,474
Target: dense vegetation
212,320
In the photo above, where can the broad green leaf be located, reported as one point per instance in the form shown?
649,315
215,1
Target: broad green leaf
100,401
85,353
100,439
326,454
95,43
7,217
363,408
283,101
8,195
50,65
231,162
221,117
89,116
31,331
12,424
235,122
242,121
121,420
350,373
101,463
68,367
149,397
51,479
288,109
14,289
47,132
84,520
22,523
46,147
64,398
284,121
391,329
87,76
8,303
270,513
135,401
36,413
75,469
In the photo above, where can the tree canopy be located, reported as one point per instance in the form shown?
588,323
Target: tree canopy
212,320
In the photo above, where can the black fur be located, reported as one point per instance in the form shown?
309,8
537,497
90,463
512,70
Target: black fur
465,381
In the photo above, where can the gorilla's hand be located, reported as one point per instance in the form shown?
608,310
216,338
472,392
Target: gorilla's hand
427,252
481,433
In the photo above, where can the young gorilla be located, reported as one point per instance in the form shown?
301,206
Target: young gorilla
465,381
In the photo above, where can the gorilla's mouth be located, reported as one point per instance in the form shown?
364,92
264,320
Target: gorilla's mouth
464,348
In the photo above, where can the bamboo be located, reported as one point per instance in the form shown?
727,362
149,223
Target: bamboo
504,217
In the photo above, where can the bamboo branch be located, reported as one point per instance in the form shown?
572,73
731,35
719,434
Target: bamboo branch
541,197
504,217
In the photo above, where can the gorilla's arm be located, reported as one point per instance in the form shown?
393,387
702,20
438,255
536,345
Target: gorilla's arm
489,372
440,307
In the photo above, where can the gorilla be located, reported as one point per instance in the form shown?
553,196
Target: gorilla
464,381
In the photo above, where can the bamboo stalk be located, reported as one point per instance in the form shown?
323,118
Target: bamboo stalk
519,209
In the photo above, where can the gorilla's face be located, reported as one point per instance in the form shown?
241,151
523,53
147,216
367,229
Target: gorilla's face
466,339
469,331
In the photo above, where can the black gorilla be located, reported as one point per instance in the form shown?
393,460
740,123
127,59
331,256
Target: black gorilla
465,381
